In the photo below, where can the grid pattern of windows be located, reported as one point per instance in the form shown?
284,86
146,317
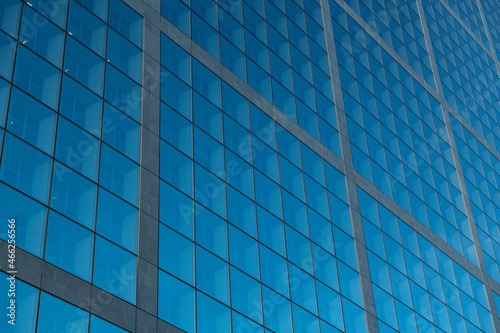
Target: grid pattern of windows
398,136
416,286
246,206
468,74
177,164
481,171
69,155
277,47
399,25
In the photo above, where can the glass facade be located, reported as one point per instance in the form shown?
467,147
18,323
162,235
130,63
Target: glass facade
302,166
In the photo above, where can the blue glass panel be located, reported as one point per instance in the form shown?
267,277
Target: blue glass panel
121,132
176,302
26,302
31,121
86,28
126,21
30,217
176,254
69,246
212,275
115,270
56,315
117,220
26,168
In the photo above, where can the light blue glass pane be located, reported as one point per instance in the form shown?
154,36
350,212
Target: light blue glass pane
212,275
121,132
124,55
37,77
292,178
176,254
277,312
235,105
267,194
241,211
205,36
329,306
274,271
126,21
83,65
81,106
55,315
211,231
325,267
123,93
32,121
207,116
265,159
99,8
207,83
77,149
69,246
98,325
239,174
298,249
26,302
356,321
54,10
176,168
177,13
176,93
175,59
210,191
25,168
243,324
176,210
303,321
119,175
115,270
295,213
117,220
176,302
237,138
30,218
86,28
271,231
243,252
259,80
9,16
73,195
349,283
302,288
7,52
212,316
41,36
176,130
245,295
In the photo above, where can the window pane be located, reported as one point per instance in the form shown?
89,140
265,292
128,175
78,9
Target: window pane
77,149
42,36
83,65
123,93
124,55
117,220
211,231
32,121
30,217
176,168
114,270
26,303
73,195
126,21
26,168
121,132
176,254
56,315
119,175
86,28
176,130
7,52
81,106
69,246
212,316
176,302
212,275
37,77
9,16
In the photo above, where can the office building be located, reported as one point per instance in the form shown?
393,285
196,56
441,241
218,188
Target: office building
248,166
